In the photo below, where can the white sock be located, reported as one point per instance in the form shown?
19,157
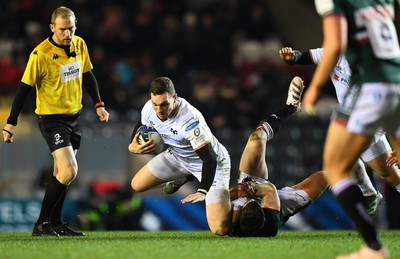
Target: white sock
268,129
362,179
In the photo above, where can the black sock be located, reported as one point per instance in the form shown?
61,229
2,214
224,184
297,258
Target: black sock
274,122
352,201
286,112
53,193
55,216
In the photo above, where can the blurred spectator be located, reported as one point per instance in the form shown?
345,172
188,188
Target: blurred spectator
10,76
225,43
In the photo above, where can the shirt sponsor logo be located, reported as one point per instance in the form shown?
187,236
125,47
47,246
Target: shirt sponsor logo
70,71
197,132
192,126
344,80
336,77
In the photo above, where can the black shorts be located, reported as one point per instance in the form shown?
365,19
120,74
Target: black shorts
60,130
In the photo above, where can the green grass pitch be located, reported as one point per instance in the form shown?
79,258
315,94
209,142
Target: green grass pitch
188,244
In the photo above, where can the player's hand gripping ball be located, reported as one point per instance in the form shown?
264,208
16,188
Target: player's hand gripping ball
146,133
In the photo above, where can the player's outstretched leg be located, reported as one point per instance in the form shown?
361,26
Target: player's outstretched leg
252,160
273,123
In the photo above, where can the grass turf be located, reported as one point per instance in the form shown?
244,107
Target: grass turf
188,244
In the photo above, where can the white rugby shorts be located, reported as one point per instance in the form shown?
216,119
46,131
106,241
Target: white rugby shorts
167,166
369,107
293,200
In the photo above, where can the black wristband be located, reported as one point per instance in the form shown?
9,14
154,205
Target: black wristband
8,132
202,191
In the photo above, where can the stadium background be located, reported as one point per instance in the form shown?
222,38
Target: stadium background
222,56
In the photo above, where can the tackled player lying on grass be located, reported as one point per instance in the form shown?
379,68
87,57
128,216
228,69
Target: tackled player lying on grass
259,209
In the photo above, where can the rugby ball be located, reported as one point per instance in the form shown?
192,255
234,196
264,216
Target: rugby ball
146,133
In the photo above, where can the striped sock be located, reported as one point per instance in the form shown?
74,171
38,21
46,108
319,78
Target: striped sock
268,130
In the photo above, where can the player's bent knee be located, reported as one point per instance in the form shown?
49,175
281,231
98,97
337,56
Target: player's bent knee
258,135
67,174
137,187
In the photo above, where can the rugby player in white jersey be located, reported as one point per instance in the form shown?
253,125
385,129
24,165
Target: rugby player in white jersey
193,150
379,156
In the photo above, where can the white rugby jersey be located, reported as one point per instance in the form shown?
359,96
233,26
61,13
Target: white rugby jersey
340,78
340,75
185,132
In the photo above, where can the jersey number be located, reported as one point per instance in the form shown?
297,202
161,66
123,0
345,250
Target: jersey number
381,31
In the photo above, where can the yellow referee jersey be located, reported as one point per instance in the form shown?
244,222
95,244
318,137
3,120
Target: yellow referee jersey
57,77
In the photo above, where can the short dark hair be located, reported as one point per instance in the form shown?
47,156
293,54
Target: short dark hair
162,85
251,218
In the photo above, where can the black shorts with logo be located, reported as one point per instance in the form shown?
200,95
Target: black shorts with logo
60,130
